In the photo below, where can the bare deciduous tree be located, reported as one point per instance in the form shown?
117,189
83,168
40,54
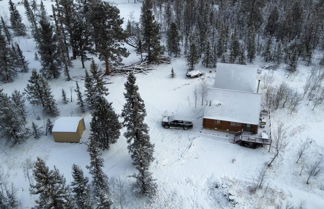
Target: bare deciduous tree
314,169
279,142
203,91
303,148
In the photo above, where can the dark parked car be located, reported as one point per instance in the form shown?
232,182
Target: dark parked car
169,122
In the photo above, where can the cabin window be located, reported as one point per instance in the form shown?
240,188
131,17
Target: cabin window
235,124
217,121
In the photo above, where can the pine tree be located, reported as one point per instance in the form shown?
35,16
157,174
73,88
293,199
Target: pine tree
50,187
173,40
99,179
293,58
251,49
21,62
267,53
222,42
18,101
48,50
6,30
235,48
66,13
64,99
49,127
97,76
8,64
242,58
32,19
82,34
108,34
139,145
39,93
172,73
272,24
8,198
94,85
12,126
36,131
80,188
105,127
192,56
210,56
15,19
89,89
151,33
80,98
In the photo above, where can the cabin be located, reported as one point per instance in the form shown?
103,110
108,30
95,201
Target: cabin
68,129
233,104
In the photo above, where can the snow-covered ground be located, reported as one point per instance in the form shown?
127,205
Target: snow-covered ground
193,168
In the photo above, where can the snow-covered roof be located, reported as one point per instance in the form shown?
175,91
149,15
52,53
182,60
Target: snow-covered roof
66,124
236,77
233,106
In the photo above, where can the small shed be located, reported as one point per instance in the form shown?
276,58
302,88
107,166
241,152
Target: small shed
68,129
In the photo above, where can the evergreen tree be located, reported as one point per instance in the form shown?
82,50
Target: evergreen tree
6,31
12,126
8,198
192,56
15,19
105,127
235,48
18,101
94,85
251,49
210,56
8,64
108,34
66,13
293,58
80,97
151,33
97,77
173,40
222,42
21,62
89,89
48,50
36,131
82,33
267,53
50,187
64,99
242,58
172,73
62,46
32,19
272,24
80,188
139,145
39,93
99,179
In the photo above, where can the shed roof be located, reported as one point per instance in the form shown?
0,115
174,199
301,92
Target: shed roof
233,106
236,77
66,124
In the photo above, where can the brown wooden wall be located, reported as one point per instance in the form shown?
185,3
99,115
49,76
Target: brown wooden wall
228,126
